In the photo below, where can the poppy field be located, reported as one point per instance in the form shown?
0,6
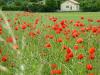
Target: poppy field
49,43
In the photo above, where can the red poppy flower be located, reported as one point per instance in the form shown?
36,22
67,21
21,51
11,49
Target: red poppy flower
76,47
81,24
98,31
75,33
58,31
16,28
69,55
63,22
68,50
82,17
63,26
9,20
28,25
54,19
55,72
92,50
1,19
59,40
51,36
64,47
80,56
76,24
82,29
47,36
0,28
89,67
37,21
24,26
48,45
91,74
98,21
90,20
80,40
4,58
66,32
15,18
9,39
91,56
88,28
55,27
94,29
0,32
53,66
71,21
32,34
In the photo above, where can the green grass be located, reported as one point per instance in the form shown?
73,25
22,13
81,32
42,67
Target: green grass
30,61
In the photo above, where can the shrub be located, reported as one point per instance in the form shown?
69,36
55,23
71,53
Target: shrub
36,7
26,7
13,8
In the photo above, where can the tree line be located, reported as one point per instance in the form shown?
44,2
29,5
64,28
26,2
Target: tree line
46,5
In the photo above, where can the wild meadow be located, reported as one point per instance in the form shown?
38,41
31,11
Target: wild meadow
65,43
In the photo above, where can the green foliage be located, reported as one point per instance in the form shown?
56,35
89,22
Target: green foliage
33,0
50,5
26,7
34,58
36,7
18,3
2,3
90,5
58,4
12,8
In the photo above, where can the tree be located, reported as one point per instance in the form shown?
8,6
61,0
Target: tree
90,5
58,3
34,0
2,3
98,4
51,5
